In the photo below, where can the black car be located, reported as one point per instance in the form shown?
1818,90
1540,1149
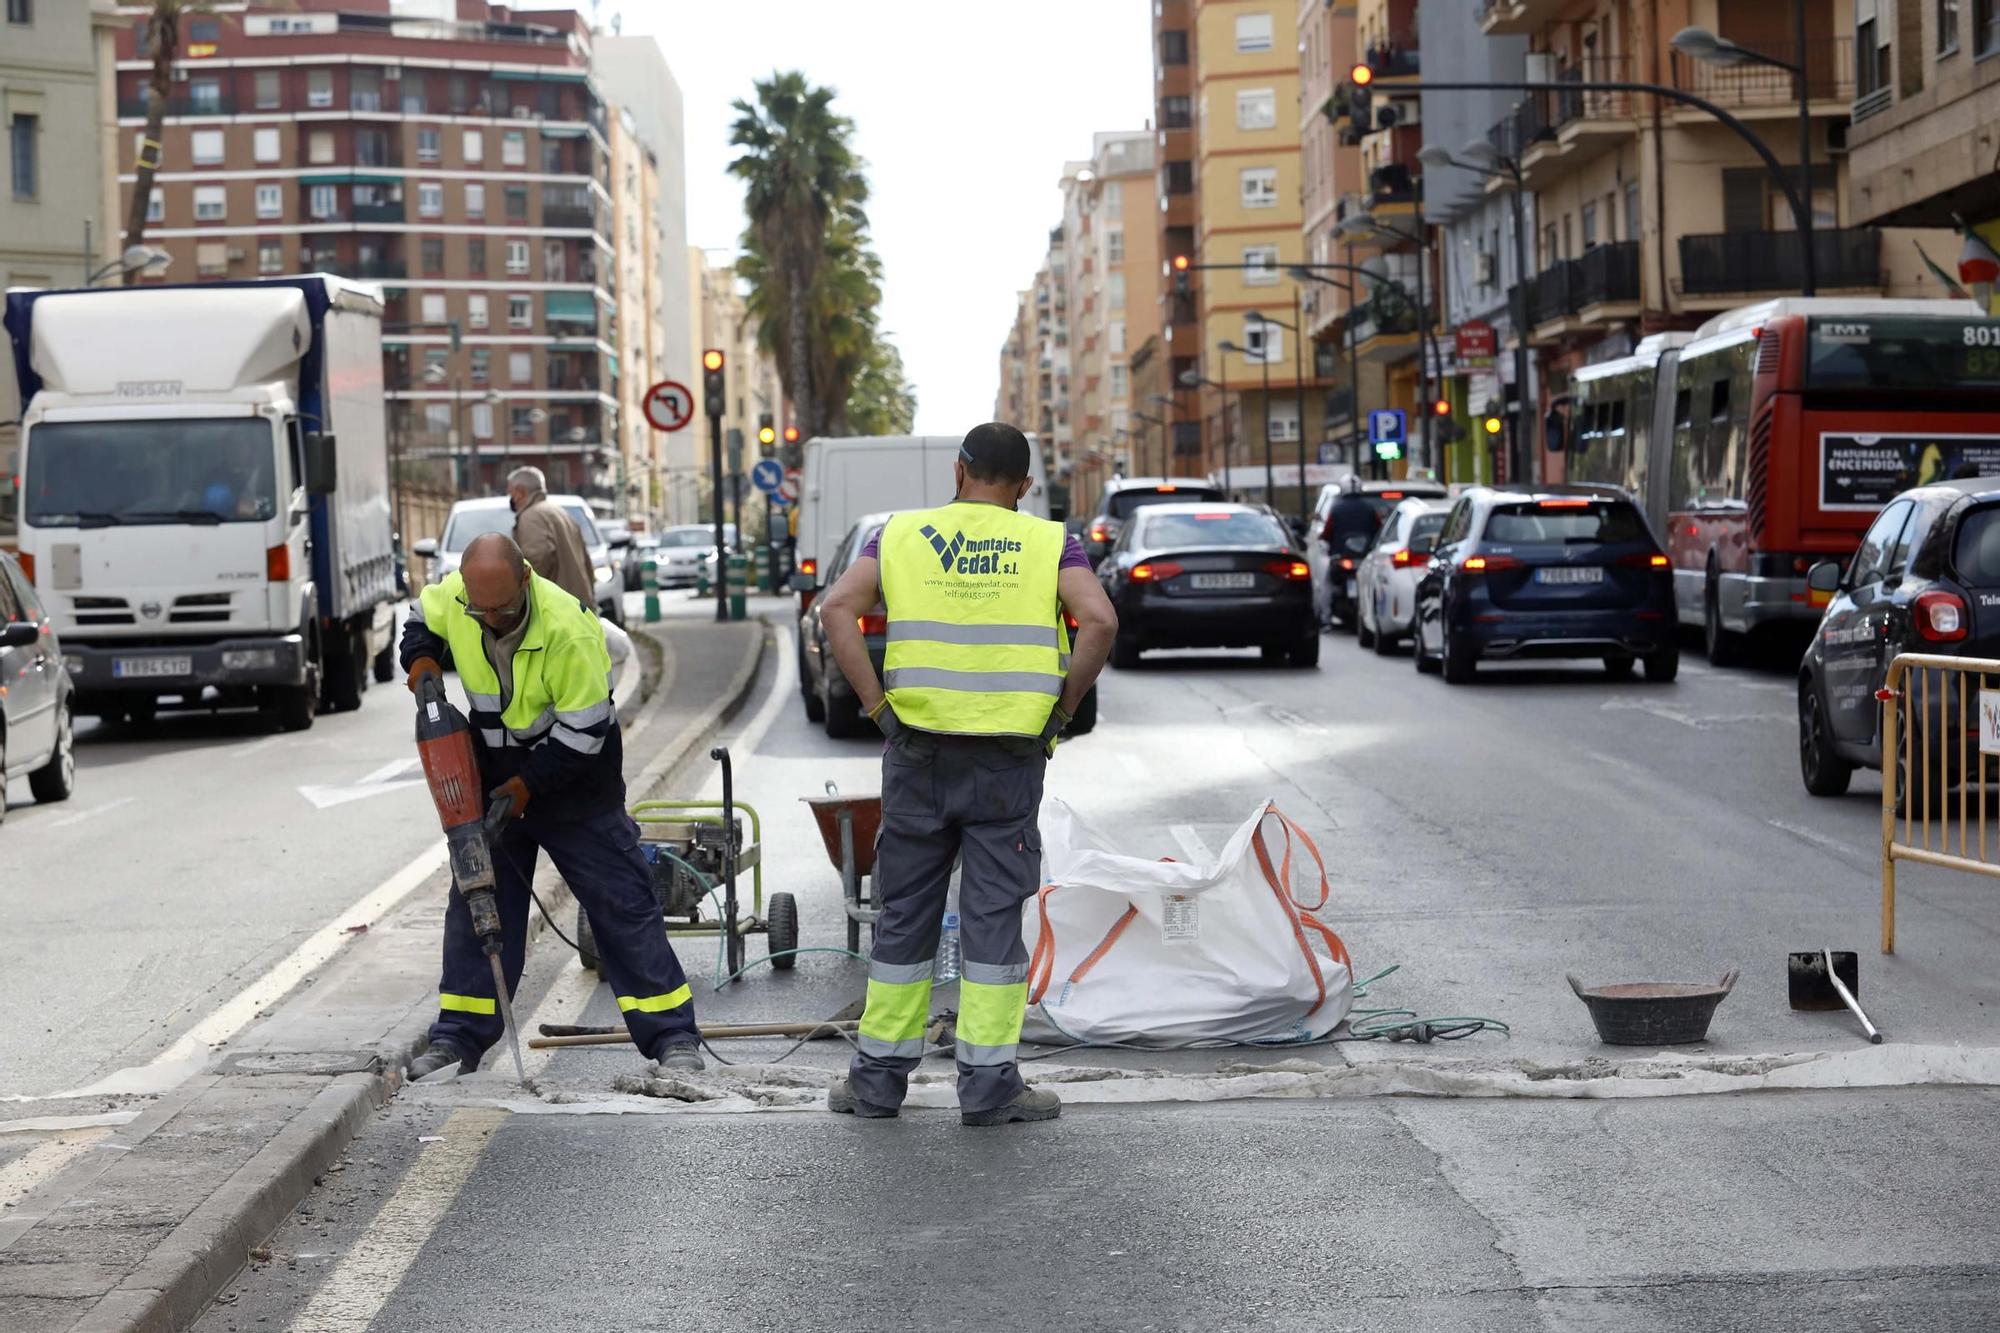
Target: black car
1570,573
829,699
1125,497
1925,580
1210,576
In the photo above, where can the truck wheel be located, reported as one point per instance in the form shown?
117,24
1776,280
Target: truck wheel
55,780
346,672
385,665
293,707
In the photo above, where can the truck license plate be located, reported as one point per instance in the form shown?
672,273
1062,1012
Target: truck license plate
130,668
1570,574
1222,581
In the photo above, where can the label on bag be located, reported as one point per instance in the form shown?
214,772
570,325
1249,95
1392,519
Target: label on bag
1180,921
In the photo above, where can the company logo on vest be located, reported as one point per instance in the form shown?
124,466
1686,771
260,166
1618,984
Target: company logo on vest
973,557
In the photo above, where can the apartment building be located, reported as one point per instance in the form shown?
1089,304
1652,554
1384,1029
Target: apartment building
721,319
636,238
1247,223
1112,246
1178,294
1015,402
1654,215
1922,148
458,153
1051,348
1329,171
55,224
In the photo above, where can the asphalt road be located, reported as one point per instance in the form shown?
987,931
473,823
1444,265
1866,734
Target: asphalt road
1488,839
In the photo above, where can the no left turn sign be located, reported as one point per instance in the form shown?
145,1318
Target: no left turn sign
669,405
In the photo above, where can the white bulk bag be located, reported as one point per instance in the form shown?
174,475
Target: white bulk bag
1126,949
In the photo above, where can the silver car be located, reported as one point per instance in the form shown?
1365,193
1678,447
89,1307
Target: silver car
35,694
685,549
475,518
1385,584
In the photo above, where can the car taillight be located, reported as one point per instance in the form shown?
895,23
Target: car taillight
1646,560
1392,495
1940,617
1408,559
1100,533
1488,564
1563,504
873,624
1292,571
1347,563
1069,622
808,566
27,566
1156,571
278,564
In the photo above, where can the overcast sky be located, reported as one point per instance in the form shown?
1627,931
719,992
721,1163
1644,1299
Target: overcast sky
965,112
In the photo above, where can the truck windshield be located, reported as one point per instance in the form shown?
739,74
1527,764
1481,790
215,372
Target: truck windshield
199,470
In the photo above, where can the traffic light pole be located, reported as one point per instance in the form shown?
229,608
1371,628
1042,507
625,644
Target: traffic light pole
721,550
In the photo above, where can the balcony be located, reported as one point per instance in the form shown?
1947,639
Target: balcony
568,215
218,104
1602,285
1516,17
1394,62
391,269
1607,275
1392,183
387,211
1552,133
1737,264
1750,89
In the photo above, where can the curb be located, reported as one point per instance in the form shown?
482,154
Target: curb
176,1282
676,750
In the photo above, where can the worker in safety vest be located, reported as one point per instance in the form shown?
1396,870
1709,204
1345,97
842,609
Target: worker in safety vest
536,674
980,680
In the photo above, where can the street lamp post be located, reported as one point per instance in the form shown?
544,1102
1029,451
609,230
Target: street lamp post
1139,441
1298,402
1701,44
1166,405
1364,222
135,258
1508,168
1304,273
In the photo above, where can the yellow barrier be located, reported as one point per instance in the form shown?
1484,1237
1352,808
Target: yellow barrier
1935,773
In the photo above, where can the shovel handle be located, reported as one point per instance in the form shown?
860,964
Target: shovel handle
1847,998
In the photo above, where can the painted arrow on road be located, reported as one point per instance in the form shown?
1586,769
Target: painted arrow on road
386,778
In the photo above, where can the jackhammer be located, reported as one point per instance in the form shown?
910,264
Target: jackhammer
451,767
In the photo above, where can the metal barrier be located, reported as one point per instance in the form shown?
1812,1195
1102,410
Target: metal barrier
1940,760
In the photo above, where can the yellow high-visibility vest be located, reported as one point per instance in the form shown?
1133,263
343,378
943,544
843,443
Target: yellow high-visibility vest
563,696
977,645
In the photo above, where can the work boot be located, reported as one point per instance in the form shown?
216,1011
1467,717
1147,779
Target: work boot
840,1098
435,1057
678,1057
1032,1104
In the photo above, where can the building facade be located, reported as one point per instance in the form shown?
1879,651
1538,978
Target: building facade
722,321
461,155
1329,172
57,222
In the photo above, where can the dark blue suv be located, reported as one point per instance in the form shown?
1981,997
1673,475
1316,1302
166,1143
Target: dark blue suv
1563,573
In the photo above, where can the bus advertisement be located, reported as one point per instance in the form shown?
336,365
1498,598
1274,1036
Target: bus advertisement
1767,439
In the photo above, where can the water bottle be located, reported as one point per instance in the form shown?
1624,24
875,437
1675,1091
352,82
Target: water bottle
948,955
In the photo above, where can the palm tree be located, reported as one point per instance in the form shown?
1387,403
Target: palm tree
163,27
800,174
840,309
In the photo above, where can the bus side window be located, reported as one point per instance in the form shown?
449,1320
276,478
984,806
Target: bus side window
1682,473
1719,449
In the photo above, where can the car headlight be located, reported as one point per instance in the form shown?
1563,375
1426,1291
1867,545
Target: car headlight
602,573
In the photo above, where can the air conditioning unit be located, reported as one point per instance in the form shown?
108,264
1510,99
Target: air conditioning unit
1485,267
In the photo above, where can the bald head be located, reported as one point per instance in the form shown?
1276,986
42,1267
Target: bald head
495,573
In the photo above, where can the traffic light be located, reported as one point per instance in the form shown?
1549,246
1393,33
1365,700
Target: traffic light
1441,408
714,386
1181,264
767,434
791,435
1388,450
1492,424
1444,426
1361,99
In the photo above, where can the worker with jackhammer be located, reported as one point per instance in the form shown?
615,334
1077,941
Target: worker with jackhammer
536,674
979,681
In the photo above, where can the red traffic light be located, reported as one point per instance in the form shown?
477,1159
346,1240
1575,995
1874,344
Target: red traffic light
711,359
1441,408
1180,263
1361,76
791,435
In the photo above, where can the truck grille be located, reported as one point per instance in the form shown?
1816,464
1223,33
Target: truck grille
102,611
200,608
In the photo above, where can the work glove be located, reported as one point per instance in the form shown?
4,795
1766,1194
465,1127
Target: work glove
885,717
1058,723
424,666
514,790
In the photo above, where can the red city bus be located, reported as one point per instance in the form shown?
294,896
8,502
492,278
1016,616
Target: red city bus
1771,438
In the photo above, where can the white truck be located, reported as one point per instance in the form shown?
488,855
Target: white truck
184,511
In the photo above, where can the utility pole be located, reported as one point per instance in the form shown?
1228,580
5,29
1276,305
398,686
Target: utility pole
714,396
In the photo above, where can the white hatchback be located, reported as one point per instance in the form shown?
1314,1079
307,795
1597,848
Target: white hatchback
1385,590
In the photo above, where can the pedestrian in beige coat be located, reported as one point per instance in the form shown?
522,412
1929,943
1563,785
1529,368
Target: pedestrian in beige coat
549,537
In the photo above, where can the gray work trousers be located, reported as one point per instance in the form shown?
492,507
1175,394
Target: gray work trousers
974,800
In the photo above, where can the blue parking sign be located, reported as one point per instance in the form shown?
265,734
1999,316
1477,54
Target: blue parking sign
1387,425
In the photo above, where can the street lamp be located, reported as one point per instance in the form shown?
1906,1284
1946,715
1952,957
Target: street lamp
1228,348
136,258
1303,273
1194,379
1298,399
1364,223
1701,44
1486,160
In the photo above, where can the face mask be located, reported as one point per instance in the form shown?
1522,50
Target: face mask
513,505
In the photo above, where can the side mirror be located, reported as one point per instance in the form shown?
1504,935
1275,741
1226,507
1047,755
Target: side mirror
804,583
20,634
1824,577
427,547
321,473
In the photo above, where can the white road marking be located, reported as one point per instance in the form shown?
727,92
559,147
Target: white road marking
1818,839
44,1160
358,1289
385,778
1191,843
91,813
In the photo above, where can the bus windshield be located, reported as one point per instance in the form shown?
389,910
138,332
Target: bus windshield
1903,352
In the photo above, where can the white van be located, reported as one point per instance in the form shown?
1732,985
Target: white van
847,477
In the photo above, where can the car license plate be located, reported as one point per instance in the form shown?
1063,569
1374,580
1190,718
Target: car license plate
1218,581
128,668
1350,587
1570,574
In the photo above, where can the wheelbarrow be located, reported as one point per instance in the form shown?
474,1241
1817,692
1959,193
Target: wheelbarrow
696,850
848,825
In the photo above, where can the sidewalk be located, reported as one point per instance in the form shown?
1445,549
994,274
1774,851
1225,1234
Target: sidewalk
159,1199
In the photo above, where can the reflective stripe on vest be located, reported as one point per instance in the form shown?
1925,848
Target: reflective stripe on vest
976,644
